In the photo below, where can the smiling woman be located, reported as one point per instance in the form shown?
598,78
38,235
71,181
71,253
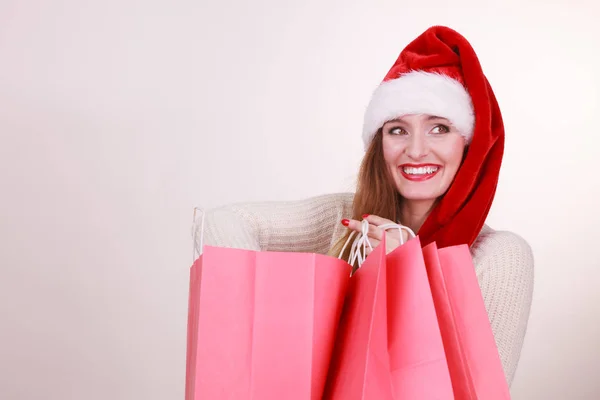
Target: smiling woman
434,141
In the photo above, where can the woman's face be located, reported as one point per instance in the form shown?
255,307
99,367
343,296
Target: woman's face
423,154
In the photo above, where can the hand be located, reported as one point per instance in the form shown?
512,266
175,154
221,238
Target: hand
375,234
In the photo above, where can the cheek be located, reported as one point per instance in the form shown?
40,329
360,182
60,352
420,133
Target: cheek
391,152
453,154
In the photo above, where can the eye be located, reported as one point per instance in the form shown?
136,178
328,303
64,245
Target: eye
396,130
438,129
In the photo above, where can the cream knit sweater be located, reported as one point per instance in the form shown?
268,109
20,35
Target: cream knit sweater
503,260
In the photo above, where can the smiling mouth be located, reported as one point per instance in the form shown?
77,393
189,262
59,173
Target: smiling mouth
419,173
419,170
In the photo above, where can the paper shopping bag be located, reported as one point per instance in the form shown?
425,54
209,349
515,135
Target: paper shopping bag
360,367
473,359
262,325
419,370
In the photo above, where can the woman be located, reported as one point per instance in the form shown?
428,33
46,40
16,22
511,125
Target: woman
434,138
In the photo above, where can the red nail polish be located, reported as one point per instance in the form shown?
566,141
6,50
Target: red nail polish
345,222
365,216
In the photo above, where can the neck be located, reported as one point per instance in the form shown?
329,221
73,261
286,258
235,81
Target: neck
413,213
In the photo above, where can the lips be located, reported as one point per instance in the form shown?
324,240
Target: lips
419,172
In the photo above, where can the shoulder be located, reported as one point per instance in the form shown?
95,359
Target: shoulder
503,253
506,244
504,264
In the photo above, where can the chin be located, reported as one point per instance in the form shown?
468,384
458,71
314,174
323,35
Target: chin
412,195
419,198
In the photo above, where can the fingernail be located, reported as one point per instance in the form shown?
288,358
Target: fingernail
365,216
345,222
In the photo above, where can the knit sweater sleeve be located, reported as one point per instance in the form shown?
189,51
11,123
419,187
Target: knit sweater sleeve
504,265
307,225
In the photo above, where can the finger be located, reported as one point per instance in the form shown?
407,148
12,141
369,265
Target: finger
375,232
393,235
377,220
353,224
374,244
391,240
405,235
392,232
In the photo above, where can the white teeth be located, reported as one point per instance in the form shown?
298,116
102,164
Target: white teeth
419,170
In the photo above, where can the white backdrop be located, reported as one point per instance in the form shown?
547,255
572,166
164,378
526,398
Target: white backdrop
117,117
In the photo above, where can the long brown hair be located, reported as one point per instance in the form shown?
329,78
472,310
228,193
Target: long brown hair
375,192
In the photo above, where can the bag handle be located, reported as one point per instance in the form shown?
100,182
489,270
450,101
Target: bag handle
385,227
362,240
198,253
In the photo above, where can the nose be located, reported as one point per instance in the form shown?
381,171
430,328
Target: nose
417,147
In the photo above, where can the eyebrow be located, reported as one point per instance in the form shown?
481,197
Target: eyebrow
432,117
429,118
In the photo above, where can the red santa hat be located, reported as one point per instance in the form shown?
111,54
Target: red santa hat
439,74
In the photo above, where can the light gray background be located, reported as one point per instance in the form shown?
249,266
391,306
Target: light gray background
117,117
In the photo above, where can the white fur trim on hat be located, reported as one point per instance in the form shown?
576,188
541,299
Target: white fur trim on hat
420,92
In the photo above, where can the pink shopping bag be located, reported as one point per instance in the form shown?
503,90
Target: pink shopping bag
473,359
262,325
417,358
360,367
